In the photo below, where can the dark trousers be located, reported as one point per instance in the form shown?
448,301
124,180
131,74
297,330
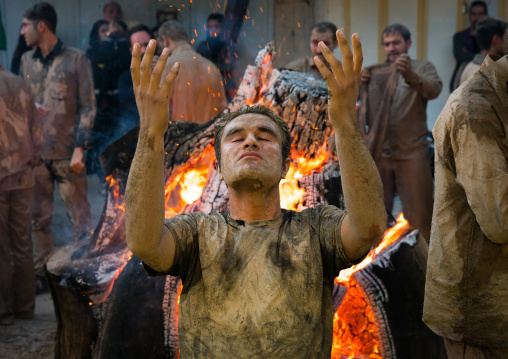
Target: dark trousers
73,190
412,180
460,350
17,278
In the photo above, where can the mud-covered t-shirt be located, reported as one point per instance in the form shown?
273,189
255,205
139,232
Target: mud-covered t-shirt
257,289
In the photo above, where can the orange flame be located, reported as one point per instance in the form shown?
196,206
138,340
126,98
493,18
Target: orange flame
354,327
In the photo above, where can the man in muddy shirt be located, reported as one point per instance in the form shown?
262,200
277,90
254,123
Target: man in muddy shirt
61,80
257,281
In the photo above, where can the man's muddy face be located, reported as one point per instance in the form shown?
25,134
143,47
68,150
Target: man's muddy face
328,37
113,12
395,45
475,14
251,152
142,38
29,31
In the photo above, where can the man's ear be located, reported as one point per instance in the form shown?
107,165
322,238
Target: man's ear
408,43
285,168
217,168
41,25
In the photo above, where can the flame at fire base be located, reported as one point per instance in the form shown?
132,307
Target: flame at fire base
354,328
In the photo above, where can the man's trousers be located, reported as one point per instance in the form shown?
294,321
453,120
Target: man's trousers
412,180
17,278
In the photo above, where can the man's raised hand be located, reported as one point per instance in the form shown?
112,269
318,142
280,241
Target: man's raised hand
343,80
152,99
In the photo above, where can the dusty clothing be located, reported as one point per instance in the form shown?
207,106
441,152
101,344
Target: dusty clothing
20,133
63,82
459,350
260,289
73,190
305,64
197,95
393,118
20,144
470,68
466,293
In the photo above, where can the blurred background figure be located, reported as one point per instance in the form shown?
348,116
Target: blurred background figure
112,11
21,48
491,38
109,55
222,53
465,45
129,116
200,91
322,31
20,146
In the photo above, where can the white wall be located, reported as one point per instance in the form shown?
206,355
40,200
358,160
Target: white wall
364,22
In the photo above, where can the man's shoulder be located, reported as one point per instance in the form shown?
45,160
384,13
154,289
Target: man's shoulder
461,34
470,102
28,56
72,51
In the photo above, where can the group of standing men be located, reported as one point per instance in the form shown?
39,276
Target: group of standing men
49,115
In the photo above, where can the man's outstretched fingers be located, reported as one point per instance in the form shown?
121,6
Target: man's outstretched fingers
146,64
357,55
326,73
136,49
158,69
347,56
170,78
332,61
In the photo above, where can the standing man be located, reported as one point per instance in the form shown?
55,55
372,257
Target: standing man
198,95
112,12
402,157
20,145
491,37
465,45
466,290
61,80
257,280
129,117
322,31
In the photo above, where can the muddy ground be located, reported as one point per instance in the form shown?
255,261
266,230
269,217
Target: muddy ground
35,339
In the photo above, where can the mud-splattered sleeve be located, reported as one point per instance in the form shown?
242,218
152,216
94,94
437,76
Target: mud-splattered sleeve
184,231
332,251
482,171
426,81
86,101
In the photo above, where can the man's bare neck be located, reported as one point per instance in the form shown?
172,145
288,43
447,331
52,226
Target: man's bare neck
47,44
251,206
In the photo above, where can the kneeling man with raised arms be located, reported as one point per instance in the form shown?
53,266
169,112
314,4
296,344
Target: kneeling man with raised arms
257,280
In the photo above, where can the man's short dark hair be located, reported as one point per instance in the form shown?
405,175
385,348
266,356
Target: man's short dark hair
258,109
42,12
486,28
478,3
401,29
218,17
173,30
325,26
138,28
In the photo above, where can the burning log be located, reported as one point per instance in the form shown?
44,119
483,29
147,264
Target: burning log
106,305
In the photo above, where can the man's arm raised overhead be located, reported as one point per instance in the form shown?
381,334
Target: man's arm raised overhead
146,235
365,221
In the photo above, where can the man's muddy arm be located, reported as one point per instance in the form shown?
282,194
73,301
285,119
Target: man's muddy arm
365,221
146,234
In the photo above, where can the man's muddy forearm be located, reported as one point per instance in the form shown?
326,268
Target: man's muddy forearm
144,196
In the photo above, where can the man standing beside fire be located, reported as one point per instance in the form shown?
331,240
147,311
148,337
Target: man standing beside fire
61,80
257,280
397,125
466,289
